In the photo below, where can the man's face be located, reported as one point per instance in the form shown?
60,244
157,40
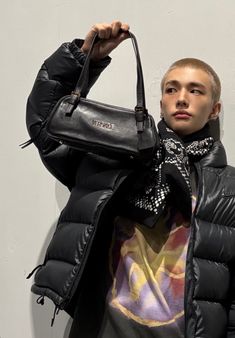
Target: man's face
187,103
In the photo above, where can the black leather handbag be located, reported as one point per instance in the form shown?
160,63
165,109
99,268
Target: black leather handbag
101,128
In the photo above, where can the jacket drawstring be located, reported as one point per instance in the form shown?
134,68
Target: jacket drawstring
40,300
56,311
31,140
31,273
26,143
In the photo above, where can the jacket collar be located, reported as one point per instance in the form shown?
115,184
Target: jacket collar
216,158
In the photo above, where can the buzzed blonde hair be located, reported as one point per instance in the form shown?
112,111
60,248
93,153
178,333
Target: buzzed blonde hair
198,64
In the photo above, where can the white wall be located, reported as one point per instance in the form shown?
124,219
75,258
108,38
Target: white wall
31,199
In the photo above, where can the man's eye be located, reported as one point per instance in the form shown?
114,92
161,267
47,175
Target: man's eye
170,90
196,91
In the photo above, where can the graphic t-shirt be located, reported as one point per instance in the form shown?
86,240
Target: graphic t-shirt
147,266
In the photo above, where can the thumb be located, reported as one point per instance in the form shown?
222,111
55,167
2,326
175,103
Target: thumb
88,40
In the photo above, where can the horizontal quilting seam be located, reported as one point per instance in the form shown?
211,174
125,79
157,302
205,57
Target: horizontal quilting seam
208,301
74,222
212,261
68,221
115,180
215,171
221,225
219,172
47,290
92,190
58,260
82,246
227,193
87,191
229,176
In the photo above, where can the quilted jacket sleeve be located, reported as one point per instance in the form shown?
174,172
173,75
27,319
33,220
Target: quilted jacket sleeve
56,78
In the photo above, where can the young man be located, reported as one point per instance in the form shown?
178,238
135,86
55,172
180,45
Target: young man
141,252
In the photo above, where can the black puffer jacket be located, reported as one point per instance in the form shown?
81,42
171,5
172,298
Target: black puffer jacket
77,254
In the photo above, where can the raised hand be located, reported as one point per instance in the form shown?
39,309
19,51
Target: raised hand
110,34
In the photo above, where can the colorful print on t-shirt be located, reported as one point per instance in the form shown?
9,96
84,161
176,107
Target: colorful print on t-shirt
148,270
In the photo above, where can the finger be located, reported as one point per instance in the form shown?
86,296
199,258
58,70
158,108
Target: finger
125,27
104,31
89,38
116,26
108,31
94,30
99,29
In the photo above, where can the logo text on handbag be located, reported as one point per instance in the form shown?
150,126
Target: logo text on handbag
102,124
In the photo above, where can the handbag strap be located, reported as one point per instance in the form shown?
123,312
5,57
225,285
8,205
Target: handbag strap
140,110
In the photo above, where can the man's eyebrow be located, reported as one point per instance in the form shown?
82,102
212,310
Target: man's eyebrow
172,82
190,84
197,84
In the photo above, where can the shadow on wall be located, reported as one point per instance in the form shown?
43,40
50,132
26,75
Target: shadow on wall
42,314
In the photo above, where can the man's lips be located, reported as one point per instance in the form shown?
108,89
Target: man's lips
182,114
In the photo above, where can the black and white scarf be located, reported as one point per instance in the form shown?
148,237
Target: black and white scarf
169,174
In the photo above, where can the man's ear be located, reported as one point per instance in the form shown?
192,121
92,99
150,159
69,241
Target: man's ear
215,111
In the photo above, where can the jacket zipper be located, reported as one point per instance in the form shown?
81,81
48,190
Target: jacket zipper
192,240
88,248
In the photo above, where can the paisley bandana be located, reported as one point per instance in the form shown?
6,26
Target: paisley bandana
170,169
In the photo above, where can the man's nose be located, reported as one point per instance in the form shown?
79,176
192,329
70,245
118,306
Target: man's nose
182,100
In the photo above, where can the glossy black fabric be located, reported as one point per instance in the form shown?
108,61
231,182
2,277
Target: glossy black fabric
77,255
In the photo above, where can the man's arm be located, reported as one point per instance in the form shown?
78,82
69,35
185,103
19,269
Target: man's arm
56,78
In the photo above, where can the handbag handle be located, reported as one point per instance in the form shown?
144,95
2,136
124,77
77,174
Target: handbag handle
140,110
